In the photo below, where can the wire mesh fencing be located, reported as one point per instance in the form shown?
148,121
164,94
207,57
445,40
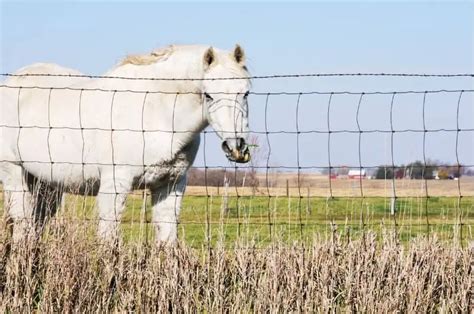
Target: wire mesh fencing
322,162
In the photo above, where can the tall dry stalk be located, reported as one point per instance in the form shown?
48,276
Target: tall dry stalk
68,270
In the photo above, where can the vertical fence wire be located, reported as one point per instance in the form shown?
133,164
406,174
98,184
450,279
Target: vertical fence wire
330,168
24,187
172,189
458,173
114,176
269,148
300,220
143,210
423,173
237,194
48,187
83,162
394,192
359,150
49,136
208,213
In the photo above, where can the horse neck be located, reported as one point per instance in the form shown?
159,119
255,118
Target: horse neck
191,121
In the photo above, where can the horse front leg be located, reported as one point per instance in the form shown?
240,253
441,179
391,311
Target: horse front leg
166,203
18,199
111,203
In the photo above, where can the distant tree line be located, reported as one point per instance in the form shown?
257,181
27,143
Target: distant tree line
219,177
249,177
420,170
413,170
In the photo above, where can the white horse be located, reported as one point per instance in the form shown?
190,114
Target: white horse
108,136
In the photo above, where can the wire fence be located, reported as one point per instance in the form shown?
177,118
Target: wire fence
260,202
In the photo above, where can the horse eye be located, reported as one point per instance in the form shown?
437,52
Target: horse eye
246,94
208,97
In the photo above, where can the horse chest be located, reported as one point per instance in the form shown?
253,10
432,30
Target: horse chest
166,171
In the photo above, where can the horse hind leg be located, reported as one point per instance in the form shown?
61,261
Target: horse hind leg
47,199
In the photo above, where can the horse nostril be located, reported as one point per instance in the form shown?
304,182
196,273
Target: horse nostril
240,144
225,147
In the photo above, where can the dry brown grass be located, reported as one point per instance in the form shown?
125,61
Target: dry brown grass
318,186
67,271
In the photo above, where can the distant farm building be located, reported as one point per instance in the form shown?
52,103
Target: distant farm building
357,174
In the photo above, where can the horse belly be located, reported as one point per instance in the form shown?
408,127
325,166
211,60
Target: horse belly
56,155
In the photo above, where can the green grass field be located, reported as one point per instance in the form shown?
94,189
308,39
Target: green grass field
262,220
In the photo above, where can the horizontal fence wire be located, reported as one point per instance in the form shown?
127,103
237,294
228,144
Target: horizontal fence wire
81,89
437,91
233,208
252,77
217,166
250,223
444,130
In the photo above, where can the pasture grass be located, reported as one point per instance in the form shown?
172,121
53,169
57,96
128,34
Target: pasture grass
69,270
259,255
261,220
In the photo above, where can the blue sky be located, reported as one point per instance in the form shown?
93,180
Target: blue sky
278,38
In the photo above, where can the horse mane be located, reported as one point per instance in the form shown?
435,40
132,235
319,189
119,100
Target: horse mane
164,53
160,54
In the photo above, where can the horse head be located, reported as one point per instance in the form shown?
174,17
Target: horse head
225,89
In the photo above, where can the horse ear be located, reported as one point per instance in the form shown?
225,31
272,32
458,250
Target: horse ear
239,54
209,57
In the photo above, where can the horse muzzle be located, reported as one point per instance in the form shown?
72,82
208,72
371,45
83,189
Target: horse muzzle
236,150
